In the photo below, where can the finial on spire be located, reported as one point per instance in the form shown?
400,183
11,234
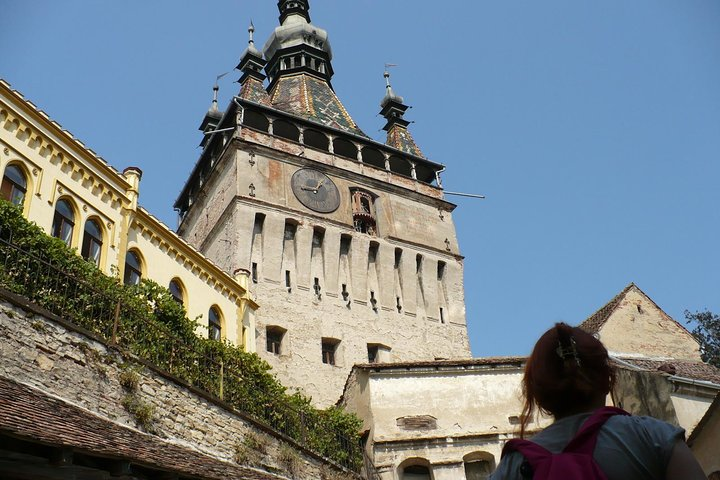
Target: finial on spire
390,94
216,89
251,31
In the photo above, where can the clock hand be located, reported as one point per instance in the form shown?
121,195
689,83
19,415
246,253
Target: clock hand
309,189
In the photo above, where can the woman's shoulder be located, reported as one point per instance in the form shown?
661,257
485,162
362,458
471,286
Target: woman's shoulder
649,430
639,422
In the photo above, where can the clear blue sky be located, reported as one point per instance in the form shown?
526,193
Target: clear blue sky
592,127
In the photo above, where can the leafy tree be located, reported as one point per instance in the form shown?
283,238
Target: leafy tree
707,331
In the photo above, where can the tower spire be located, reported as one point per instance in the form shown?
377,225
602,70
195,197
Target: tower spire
213,115
289,8
251,65
297,46
393,109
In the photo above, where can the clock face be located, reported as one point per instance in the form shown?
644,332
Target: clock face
315,190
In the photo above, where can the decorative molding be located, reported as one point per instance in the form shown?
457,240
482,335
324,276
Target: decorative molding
48,149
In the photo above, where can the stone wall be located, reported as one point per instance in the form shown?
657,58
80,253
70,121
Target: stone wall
412,305
41,350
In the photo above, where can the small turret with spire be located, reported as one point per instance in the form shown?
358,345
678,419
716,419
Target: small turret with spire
213,115
251,65
393,109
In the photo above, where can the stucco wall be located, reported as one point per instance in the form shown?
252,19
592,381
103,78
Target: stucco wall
706,446
80,370
689,410
57,166
436,415
639,327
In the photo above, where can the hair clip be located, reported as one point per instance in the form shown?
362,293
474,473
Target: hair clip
568,352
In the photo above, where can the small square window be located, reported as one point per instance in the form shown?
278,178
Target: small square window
274,336
372,353
329,349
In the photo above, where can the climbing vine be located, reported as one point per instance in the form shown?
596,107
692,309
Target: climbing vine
145,320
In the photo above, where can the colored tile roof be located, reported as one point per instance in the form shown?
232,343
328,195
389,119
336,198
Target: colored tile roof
254,90
32,415
312,99
681,368
399,137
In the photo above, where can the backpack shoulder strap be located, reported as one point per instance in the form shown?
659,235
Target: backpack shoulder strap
532,452
586,438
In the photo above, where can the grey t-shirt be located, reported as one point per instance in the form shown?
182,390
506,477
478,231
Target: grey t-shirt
627,447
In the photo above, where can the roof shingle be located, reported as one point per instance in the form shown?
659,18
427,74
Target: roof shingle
30,414
312,99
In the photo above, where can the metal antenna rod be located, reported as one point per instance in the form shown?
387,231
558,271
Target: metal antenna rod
459,194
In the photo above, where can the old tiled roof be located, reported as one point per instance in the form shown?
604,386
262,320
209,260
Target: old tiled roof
399,137
595,321
34,416
312,98
681,368
254,90
462,362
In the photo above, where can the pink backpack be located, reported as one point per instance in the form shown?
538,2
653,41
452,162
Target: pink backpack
576,460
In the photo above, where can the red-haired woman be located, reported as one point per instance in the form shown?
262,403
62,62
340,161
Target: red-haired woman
568,376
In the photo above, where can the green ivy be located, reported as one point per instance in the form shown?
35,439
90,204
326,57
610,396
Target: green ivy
152,325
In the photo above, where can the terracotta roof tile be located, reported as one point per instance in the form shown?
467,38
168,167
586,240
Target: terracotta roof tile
595,321
681,368
30,414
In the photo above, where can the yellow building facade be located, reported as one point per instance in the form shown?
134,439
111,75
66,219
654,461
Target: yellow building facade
75,195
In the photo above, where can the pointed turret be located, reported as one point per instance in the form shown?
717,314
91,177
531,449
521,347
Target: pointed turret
212,117
393,109
251,65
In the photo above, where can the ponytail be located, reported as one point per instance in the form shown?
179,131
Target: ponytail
567,369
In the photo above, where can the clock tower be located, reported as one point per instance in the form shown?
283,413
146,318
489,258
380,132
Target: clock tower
349,242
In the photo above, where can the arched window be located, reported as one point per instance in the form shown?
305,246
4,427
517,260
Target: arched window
371,156
92,242
63,222
256,120
284,129
363,206
176,290
14,185
214,324
478,465
313,138
416,472
345,148
133,268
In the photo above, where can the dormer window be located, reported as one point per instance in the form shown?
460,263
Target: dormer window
363,205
